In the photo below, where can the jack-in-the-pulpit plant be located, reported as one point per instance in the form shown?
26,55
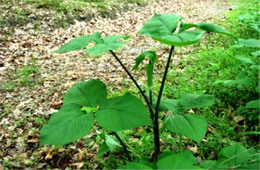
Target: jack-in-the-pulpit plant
86,101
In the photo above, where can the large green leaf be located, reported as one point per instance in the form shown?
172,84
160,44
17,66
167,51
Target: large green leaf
253,104
89,93
183,160
206,27
160,25
196,100
121,113
151,55
213,28
181,39
233,156
78,43
190,125
67,125
106,44
249,42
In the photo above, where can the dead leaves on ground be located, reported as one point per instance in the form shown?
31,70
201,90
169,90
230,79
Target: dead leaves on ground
24,109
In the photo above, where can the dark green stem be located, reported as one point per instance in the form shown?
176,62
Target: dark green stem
156,124
123,145
136,84
150,92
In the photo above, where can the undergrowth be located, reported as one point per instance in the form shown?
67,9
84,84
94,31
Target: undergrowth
229,119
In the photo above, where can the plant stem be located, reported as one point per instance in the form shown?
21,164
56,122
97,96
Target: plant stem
123,145
156,124
136,84
150,92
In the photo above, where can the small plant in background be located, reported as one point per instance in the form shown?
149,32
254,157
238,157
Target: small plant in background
27,75
87,102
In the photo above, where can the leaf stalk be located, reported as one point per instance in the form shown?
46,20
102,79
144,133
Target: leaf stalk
156,123
123,145
136,84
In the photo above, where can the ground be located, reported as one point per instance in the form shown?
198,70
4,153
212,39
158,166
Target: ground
34,80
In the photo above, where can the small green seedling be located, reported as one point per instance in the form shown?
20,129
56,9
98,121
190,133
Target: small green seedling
87,101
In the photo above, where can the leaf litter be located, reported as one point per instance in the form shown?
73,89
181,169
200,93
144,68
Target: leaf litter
24,109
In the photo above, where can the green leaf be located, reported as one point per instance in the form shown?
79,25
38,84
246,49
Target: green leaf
70,123
183,160
182,39
190,125
245,59
256,53
78,43
121,113
135,165
196,100
186,26
106,44
242,80
233,156
249,42
160,25
89,93
111,143
172,105
206,27
255,67
149,67
213,28
253,104
161,28
102,150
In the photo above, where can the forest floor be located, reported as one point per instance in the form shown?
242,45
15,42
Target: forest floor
34,80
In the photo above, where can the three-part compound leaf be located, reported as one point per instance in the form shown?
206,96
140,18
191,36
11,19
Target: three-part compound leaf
101,44
106,44
81,103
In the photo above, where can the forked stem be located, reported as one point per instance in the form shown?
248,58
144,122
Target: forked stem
136,84
156,124
123,145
